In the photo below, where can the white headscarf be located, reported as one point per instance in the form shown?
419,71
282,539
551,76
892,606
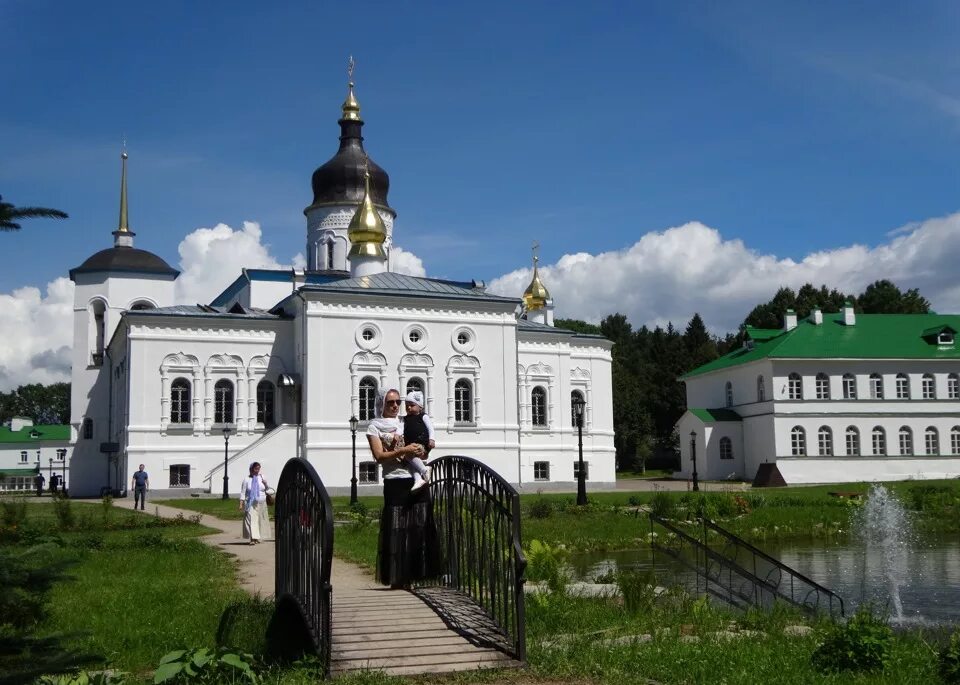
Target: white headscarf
381,399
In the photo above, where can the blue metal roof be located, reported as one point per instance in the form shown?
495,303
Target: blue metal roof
387,283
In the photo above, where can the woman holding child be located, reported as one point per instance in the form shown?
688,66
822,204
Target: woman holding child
407,550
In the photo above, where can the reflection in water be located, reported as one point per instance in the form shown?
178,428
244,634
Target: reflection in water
931,592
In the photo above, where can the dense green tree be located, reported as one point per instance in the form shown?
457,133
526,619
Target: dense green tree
45,404
578,326
883,297
10,215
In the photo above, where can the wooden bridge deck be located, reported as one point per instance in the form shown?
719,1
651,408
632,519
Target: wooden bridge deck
407,632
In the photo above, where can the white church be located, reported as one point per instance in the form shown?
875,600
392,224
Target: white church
275,366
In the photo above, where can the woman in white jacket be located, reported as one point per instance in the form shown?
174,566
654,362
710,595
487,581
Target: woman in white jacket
253,504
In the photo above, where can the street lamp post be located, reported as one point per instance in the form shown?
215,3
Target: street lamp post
226,446
578,405
49,482
693,458
353,469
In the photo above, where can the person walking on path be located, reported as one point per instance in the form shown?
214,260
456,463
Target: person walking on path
253,504
39,480
407,550
140,483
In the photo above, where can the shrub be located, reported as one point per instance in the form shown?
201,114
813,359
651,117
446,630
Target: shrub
930,497
861,644
634,501
742,504
638,589
206,666
548,564
726,505
541,509
13,511
950,660
359,509
662,505
63,511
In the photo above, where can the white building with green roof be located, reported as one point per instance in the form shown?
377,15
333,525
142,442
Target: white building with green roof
833,398
26,449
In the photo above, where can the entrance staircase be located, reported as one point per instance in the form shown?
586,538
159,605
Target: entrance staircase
272,448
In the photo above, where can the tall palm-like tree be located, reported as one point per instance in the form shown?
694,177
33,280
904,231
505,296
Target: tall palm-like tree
9,215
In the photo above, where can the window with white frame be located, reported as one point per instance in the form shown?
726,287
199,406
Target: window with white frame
61,454
931,441
24,457
903,387
955,440
538,407
876,386
822,385
463,402
576,470
825,441
368,398
849,386
794,387
180,401
726,448
879,441
853,441
576,397
798,442
728,393
928,387
368,472
953,386
906,441
179,475
541,470
761,390
223,402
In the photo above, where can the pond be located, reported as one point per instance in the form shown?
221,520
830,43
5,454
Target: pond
929,593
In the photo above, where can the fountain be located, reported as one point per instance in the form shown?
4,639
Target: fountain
886,531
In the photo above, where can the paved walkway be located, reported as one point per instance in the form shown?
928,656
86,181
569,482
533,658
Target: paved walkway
375,628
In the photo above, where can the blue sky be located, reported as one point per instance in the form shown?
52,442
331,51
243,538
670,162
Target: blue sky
792,126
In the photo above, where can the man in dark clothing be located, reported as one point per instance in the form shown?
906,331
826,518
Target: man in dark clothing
39,480
141,483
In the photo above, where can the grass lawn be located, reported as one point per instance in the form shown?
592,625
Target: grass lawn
646,475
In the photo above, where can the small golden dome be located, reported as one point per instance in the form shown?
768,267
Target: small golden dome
351,108
536,295
367,231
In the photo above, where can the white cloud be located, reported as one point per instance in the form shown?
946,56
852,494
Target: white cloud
37,334
669,275
403,262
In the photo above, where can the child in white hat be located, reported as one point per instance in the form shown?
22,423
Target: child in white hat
417,428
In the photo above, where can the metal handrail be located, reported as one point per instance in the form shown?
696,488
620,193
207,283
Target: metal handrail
477,514
304,550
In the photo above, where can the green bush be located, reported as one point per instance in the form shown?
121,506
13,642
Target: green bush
634,501
950,660
548,564
662,505
64,512
540,509
861,644
930,497
206,666
13,511
638,589
726,505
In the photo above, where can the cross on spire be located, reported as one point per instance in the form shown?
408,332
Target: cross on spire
534,247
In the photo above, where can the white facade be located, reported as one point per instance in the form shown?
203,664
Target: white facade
26,449
828,419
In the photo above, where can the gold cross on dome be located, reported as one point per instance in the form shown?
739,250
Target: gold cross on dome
350,65
534,247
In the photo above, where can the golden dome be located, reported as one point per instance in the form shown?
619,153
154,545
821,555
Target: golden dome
351,108
366,230
536,295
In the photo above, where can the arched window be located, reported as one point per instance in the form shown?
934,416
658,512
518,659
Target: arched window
849,386
368,398
415,385
223,402
761,390
879,441
825,441
853,442
463,401
798,442
955,440
953,387
266,396
140,306
903,387
931,441
180,401
330,254
876,386
794,387
906,441
575,396
88,429
728,393
726,448
823,386
99,310
928,387
538,406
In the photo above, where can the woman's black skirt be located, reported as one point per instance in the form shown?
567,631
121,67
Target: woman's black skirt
408,549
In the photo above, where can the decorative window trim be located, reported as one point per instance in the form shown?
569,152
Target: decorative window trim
420,366
544,423
878,437
264,367
539,374
581,379
467,346
225,367
851,441
419,345
931,441
366,364
825,441
467,367
374,342
175,366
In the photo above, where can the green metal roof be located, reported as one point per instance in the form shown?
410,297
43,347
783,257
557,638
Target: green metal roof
714,415
43,433
873,336
18,472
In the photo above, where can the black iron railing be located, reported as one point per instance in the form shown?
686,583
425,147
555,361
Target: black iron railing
477,514
304,550
730,568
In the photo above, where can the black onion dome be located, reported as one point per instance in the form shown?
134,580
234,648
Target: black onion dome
128,259
342,178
